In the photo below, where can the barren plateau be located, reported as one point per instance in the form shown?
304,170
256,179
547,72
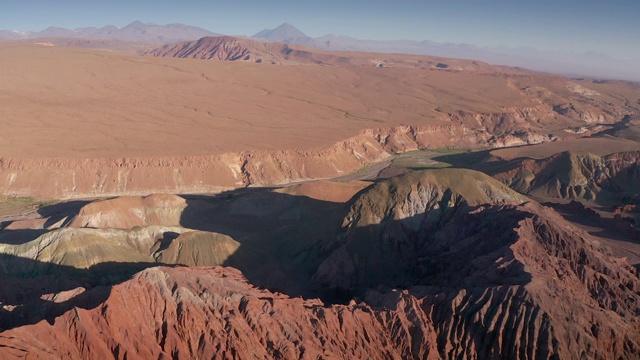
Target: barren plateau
82,123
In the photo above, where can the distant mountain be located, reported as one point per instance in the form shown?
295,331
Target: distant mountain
287,34
136,31
224,48
282,33
240,49
564,63
54,31
13,35
229,48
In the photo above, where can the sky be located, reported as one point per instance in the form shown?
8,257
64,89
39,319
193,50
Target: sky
610,27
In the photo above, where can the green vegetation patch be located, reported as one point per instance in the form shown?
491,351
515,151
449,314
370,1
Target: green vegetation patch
424,159
45,203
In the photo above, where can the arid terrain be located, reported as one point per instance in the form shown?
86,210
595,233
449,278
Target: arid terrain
128,124
231,198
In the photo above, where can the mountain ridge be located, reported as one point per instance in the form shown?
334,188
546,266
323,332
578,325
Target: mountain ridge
135,31
563,63
282,32
569,64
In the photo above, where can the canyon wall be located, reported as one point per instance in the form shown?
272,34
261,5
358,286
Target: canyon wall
81,178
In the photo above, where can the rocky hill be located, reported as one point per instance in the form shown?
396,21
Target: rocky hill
219,48
433,264
228,48
607,179
282,33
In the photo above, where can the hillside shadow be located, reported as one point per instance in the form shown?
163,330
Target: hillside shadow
626,184
278,233
285,240
63,208
29,286
481,161
468,160
252,213
21,236
578,213
165,241
397,254
62,212
574,212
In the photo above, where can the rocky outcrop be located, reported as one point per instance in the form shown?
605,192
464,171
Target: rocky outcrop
397,212
214,313
128,212
198,248
434,264
586,115
228,48
209,48
498,278
576,176
563,304
620,224
84,248
73,178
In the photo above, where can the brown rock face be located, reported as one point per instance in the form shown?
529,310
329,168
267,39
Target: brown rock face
518,274
227,48
128,212
498,281
209,48
435,264
198,248
576,176
214,313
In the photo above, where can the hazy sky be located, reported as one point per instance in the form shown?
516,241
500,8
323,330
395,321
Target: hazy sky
607,26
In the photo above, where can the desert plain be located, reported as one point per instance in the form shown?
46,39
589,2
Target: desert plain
135,119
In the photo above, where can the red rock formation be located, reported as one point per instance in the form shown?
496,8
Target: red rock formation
214,313
73,178
435,264
575,176
618,223
513,281
128,212
228,48
218,48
